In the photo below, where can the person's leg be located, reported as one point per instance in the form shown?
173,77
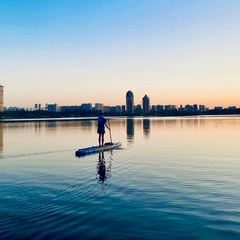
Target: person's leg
99,139
102,139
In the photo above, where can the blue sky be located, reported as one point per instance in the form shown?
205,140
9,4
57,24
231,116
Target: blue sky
75,51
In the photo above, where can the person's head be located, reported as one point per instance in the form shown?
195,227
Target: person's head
101,114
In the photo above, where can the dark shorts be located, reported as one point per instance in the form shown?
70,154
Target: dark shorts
100,130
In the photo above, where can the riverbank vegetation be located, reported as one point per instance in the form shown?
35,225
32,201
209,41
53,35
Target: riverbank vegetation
23,114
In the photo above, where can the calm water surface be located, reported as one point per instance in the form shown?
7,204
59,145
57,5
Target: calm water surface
172,178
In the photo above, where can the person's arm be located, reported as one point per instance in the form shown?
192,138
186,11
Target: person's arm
106,124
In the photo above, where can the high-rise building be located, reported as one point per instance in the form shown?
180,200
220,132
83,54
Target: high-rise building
37,106
195,107
129,102
52,107
99,106
1,98
160,107
86,106
189,108
118,108
201,108
232,107
146,104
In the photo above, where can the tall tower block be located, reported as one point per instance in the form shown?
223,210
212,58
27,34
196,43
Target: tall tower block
129,102
146,104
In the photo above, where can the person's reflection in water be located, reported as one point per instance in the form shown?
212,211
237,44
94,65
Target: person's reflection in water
101,168
103,172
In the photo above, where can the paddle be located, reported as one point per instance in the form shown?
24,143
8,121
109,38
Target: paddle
110,143
110,131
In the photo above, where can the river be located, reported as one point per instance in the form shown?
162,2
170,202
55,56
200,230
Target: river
172,178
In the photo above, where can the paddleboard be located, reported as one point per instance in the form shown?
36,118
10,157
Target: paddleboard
95,149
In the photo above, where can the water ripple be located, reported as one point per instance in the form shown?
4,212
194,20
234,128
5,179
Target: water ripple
155,187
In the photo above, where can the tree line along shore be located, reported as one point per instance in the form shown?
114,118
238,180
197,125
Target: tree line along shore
23,114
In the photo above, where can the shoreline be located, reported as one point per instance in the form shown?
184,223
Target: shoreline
9,120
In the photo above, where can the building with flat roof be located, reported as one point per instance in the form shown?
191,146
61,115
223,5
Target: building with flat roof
37,106
99,106
52,107
86,106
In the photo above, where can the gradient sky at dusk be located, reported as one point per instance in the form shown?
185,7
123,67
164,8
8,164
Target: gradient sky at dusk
88,51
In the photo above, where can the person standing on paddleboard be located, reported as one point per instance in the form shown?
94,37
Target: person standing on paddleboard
101,129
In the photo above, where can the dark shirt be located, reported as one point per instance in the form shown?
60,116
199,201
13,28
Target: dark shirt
101,121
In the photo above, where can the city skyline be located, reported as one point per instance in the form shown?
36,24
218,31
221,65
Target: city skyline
72,52
138,102
129,106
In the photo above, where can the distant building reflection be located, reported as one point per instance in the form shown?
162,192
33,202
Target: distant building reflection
37,127
1,137
146,127
87,123
51,127
130,129
51,124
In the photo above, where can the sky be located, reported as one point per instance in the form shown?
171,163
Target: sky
71,52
